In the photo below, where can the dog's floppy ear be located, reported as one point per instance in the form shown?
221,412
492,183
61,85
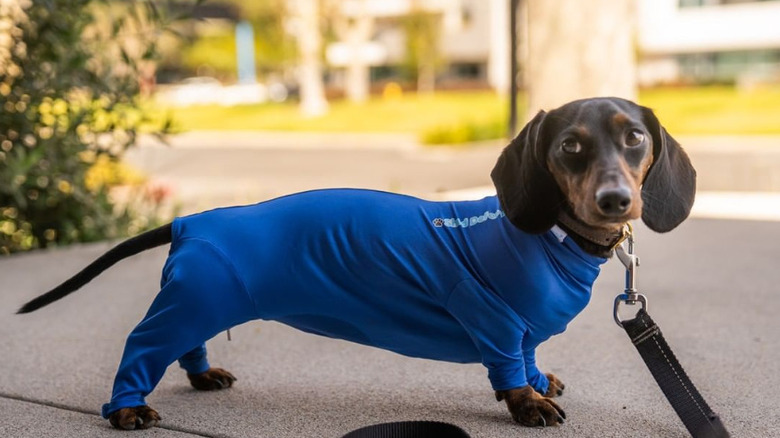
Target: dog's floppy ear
670,185
528,193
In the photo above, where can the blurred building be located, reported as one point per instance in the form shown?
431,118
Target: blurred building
473,40
709,41
678,41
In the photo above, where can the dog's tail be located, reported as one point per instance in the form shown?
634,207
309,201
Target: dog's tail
150,239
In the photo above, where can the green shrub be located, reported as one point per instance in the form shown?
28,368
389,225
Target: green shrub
465,132
68,88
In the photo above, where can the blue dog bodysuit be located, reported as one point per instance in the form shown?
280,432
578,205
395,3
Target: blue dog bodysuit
451,281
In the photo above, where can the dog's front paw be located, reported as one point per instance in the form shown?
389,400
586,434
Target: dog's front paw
139,417
556,386
529,408
214,378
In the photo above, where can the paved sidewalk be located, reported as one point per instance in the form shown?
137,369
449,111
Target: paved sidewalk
712,286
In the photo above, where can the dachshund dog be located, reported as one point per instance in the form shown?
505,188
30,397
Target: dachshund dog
472,281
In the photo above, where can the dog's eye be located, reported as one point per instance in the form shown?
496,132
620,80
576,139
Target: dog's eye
571,146
634,137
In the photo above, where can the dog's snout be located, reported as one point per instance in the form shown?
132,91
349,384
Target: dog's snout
613,201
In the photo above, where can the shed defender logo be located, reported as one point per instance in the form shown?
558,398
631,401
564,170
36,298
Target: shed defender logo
455,222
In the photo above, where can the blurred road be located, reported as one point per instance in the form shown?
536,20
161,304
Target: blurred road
208,169
205,169
712,286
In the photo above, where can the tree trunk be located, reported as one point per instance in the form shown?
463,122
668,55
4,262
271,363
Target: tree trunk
357,33
426,77
498,56
313,101
579,49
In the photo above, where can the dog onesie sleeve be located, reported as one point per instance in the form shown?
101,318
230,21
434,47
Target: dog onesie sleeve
500,345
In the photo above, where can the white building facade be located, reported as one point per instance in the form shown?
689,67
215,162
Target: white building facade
473,43
708,41
677,41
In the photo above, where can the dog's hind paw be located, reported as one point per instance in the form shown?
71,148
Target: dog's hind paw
214,378
139,417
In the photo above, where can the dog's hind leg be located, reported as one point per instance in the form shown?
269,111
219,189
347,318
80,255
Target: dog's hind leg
201,296
201,376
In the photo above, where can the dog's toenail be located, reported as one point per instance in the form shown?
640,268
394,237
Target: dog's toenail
127,426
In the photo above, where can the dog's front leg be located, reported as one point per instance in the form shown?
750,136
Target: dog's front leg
556,387
547,384
498,333
530,408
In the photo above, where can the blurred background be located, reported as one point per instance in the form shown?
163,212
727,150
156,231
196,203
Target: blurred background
117,115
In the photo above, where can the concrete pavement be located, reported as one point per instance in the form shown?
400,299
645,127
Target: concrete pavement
712,286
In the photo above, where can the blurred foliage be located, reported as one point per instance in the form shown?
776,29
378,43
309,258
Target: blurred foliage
422,54
212,46
70,72
275,49
465,132
211,54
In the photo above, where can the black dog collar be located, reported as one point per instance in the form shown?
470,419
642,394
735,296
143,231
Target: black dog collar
601,237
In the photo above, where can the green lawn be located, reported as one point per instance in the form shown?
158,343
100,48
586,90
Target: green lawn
463,116
716,110
410,113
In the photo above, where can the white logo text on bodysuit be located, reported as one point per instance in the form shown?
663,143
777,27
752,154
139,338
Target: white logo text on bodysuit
456,222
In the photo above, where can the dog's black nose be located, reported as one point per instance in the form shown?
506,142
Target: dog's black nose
614,201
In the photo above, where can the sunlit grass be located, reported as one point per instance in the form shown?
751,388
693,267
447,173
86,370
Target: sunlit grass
465,116
716,110
410,113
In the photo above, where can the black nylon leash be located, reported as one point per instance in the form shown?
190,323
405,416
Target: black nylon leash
646,336
409,429
686,400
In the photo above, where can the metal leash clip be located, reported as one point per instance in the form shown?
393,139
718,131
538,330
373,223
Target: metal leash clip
625,253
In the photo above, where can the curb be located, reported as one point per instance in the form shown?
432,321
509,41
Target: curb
283,140
757,206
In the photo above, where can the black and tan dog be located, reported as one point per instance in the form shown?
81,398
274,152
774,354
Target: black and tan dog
473,281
